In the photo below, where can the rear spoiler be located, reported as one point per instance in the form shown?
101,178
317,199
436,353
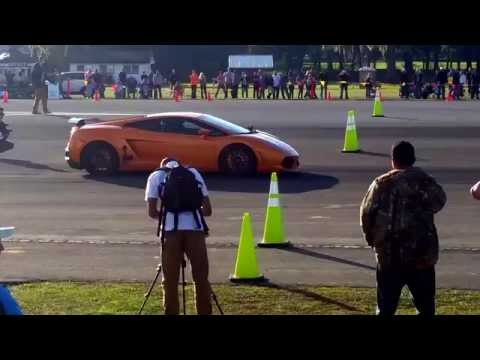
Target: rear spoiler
82,121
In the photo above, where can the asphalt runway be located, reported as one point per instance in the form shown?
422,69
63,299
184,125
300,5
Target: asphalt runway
49,202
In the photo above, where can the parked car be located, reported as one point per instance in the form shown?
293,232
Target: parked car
77,83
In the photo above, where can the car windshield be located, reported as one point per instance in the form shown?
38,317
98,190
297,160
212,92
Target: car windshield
225,126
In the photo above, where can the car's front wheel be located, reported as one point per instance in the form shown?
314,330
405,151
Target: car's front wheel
100,159
238,160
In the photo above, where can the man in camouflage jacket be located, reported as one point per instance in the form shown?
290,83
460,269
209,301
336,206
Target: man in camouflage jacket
396,216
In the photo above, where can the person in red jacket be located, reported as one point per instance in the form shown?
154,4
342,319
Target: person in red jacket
194,83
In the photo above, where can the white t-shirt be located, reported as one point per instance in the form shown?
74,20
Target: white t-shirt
186,220
276,80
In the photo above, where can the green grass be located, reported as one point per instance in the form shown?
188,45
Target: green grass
75,298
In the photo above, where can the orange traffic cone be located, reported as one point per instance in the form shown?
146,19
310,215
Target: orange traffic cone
5,96
175,96
209,96
329,97
449,97
96,97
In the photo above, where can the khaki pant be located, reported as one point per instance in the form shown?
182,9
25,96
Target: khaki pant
41,94
192,243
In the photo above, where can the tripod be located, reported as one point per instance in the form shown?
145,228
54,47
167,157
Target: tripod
161,227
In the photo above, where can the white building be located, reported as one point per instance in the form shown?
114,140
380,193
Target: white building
111,63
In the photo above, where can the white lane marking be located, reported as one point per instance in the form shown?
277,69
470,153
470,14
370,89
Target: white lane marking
338,206
13,251
26,113
234,218
319,217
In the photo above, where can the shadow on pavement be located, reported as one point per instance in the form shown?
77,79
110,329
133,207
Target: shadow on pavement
311,295
5,146
289,183
371,153
328,257
30,165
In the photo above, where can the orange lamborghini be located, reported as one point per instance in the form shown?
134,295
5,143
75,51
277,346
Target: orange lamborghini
203,141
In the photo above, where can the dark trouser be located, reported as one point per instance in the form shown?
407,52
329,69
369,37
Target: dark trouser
255,91
291,89
220,86
194,91
284,92
276,92
203,91
421,284
343,88
300,92
474,91
368,91
245,91
441,91
192,243
157,92
41,94
404,91
323,91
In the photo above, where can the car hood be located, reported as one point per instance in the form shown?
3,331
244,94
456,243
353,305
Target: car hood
272,140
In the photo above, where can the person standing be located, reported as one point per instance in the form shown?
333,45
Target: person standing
184,202
194,83
173,79
463,81
300,84
441,79
255,85
276,85
244,83
221,84
157,84
262,83
475,84
397,220
418,83
40,86
291,86
284,85
344,78
202,79
322,77
404,88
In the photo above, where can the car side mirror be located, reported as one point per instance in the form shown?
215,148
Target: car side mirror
204,133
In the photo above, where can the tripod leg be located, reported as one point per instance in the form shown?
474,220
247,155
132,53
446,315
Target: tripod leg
184,264
147,295
216,301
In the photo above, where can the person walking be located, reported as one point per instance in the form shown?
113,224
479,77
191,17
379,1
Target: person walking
397,220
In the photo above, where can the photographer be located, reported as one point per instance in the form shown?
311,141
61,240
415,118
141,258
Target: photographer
184,230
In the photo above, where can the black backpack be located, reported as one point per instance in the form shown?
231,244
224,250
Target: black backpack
181,192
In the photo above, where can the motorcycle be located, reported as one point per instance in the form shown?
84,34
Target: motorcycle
4,132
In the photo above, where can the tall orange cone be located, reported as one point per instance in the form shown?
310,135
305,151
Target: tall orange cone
5,96
209,96
329,97
96,97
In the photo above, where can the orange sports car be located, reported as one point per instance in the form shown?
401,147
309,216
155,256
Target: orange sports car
203,141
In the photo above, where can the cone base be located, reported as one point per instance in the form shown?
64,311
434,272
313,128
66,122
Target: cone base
378,115
275,245
260,279
351,151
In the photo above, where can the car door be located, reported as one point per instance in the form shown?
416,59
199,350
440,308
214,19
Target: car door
148,141
187,144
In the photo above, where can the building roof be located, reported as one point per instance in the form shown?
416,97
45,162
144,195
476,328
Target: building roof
108,56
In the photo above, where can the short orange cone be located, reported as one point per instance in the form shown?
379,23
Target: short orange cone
97,96
329,97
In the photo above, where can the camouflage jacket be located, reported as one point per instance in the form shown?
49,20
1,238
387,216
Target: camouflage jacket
396,216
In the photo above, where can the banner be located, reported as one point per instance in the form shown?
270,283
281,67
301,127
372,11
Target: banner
53,91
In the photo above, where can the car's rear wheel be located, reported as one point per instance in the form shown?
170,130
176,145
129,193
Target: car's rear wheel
100,159
238,160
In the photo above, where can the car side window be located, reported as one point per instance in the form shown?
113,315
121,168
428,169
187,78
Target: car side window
156,125
187,127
